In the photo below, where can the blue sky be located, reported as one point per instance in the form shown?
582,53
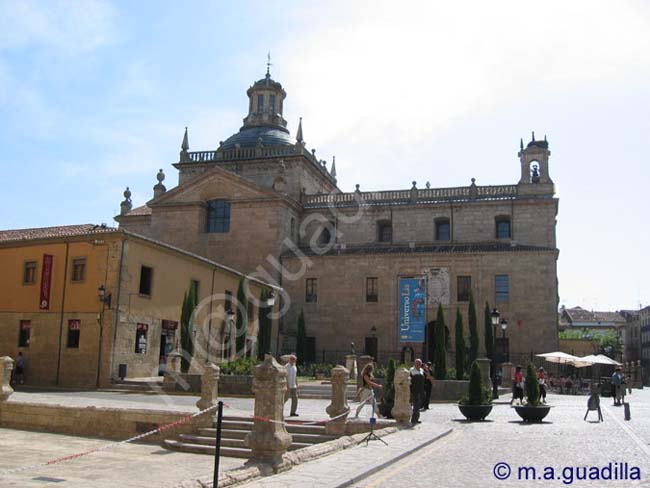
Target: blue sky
94,96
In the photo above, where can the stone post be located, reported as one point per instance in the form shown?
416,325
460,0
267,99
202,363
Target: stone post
484,364
209,387
339,405
507,370
402,409
363,360
6,367
268,441
351,365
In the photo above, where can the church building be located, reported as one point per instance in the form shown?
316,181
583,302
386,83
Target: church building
369,267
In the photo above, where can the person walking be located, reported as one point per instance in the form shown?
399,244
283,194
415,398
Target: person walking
517,386
366,393
19,375
617,381
541,379
292,385
417,390
428,384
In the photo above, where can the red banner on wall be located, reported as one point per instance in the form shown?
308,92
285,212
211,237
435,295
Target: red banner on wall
74,324
46,282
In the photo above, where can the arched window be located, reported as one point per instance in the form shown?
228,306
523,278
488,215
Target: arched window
502,224
260,104
218,216
325,237
443,229
535,171
384,231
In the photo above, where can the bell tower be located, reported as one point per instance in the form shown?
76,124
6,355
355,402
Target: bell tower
265,104
534,163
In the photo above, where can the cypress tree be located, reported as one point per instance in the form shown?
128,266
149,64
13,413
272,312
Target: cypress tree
301,339
532,388
440,359
473,330
242,319
476,393
460,346
187,309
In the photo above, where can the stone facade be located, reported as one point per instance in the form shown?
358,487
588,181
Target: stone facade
288,222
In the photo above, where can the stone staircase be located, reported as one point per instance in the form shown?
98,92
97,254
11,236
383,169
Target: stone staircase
322,391
233,432
140,385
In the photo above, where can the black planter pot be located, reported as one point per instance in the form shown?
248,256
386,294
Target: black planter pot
475,412
533,414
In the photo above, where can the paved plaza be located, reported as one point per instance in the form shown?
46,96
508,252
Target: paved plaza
443,451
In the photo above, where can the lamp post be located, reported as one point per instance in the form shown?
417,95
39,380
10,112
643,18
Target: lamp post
495,316
504,326
105,299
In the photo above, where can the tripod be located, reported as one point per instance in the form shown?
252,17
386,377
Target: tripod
373,420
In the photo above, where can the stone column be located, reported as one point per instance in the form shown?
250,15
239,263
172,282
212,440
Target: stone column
507,370
363,360
484,364
6,367
402,409
269,440
339,405
209,387
351,365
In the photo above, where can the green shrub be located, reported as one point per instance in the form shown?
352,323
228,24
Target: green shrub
460,349
241,366
532,388
477,395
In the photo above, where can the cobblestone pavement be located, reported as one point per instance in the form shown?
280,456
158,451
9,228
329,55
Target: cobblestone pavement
468,455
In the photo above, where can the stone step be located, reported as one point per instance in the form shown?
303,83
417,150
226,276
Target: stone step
238,443
235,452
238,432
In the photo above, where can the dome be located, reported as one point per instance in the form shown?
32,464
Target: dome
248,137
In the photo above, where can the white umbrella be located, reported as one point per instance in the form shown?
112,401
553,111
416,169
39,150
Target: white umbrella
598,359
558,357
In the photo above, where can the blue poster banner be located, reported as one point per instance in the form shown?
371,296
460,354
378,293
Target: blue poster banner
412,309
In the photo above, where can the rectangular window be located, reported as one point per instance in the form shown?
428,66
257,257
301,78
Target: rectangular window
443,230
146,277
372,295
260,104
74,330
194,285
463,287
24,331
385,232
78,270
311,290
502,288
29,273
272,104
503,228
218,216
141,338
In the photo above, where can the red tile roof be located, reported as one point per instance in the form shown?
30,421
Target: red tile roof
49,232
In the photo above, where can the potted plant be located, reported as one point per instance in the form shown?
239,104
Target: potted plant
477,404
533,410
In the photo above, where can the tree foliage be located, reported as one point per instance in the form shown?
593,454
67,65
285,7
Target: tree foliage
460,346
187,343
532,388
440,358
473,329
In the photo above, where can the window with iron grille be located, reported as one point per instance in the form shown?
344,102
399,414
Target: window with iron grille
218,216
443,230
372,295
502,288
74,332
384,231
463,287
311,290
29,273
78,270
503,230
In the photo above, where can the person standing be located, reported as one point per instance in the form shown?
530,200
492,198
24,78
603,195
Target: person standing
517,386
428,384
541,379
617,381
367,395
417,390
20,368
292,385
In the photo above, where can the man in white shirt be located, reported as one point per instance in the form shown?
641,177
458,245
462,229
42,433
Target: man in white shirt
292,384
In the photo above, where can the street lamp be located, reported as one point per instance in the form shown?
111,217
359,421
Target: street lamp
495,316
504,326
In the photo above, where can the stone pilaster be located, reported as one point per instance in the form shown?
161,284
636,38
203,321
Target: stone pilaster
209,387
402,409
6,367
268,441
339,404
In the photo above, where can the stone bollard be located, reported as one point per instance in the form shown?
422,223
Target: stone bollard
6,367
363,360
351,365
484,364
339,405
507,371
268,441
209,387
402,409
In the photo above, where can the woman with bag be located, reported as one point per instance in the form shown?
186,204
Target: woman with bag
518,386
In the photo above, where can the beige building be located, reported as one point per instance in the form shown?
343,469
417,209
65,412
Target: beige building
80,300
263,203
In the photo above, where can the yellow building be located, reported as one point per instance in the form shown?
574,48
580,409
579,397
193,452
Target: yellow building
79,301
